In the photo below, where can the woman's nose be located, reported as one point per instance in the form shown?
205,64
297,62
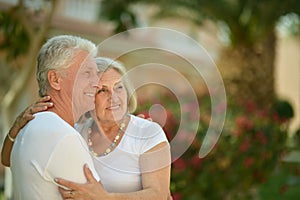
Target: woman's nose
113,96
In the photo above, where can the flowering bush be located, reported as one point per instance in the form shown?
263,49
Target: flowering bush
252,142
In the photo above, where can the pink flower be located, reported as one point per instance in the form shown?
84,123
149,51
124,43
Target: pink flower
176,196
196,161
260,136
248,162
250,106
179,165
263,114
276,117
245,145
244,123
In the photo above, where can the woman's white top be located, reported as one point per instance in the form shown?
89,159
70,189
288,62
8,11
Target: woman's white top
119,170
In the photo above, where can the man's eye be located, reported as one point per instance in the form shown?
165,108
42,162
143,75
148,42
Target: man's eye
87,73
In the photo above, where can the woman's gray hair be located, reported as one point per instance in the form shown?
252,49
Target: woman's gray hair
58,54
104,64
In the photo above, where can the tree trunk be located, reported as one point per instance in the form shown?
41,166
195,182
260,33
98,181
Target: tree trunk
248,72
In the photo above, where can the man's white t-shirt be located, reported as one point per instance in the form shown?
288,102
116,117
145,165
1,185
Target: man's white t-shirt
119,170
45,149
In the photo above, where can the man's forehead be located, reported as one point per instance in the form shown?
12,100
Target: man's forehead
89,63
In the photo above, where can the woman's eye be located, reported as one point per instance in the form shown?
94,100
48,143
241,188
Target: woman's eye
120,87
101,91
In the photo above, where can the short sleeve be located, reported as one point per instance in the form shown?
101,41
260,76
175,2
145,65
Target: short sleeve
68,159
155,135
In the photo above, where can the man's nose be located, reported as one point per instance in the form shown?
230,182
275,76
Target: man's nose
94,80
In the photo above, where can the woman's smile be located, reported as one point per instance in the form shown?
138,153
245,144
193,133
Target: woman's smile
114,107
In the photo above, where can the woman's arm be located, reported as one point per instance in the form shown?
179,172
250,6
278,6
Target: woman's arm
155,181
41,105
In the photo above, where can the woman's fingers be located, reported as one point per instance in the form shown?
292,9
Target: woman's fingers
41,104
141,116
144,117
88,174
38,107
43,99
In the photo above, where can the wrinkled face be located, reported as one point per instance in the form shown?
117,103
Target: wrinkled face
111,97
84,86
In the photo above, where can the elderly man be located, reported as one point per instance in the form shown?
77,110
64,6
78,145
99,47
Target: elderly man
48,146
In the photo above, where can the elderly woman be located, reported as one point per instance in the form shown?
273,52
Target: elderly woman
130,154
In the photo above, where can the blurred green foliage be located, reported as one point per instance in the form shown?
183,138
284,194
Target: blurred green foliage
14,39
246,20
250,148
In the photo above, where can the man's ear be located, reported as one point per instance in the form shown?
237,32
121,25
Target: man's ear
54,79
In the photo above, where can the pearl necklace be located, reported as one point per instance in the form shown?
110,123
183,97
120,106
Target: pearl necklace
111,146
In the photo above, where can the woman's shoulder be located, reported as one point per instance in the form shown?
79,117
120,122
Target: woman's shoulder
142,127
144,134
143,123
